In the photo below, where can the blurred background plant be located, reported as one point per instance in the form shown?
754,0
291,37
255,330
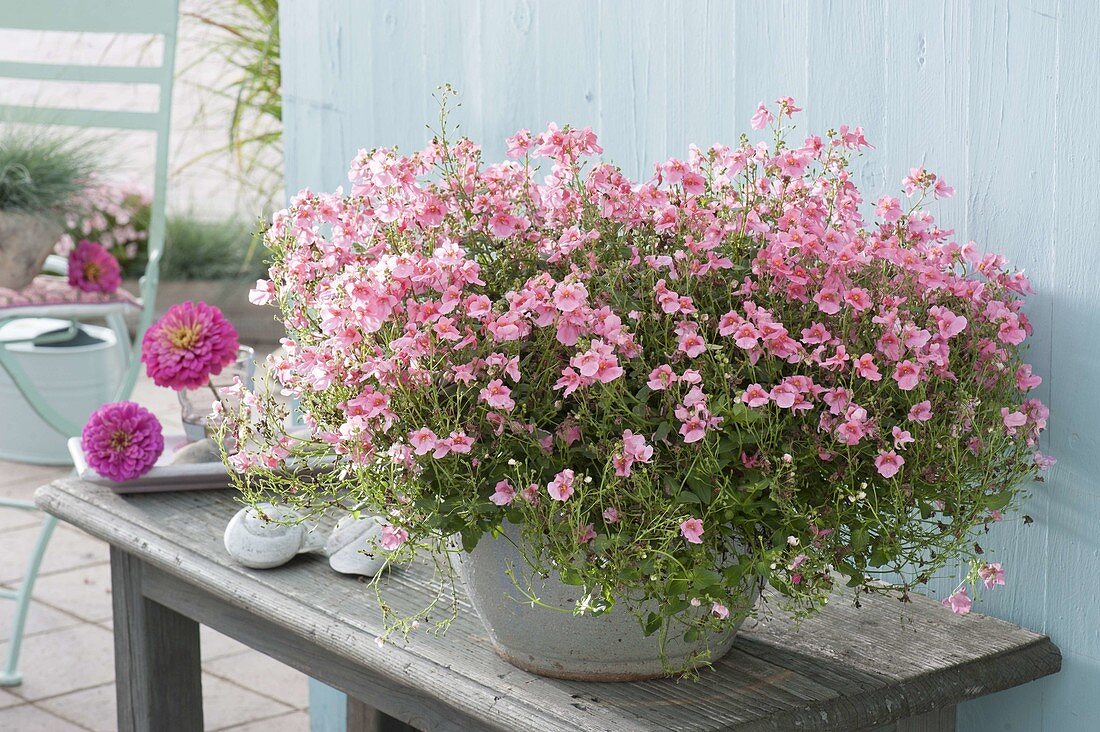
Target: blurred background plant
116,216
246,38
196,249
42,174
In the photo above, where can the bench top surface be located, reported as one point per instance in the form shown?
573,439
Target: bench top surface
844,668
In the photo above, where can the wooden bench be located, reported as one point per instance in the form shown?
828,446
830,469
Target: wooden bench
885,666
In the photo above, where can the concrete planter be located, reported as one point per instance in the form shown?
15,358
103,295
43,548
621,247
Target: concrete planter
25,242
556,643
254,324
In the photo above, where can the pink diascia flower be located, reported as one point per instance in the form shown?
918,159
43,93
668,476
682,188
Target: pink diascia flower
122,441
907,374
992,575
889,463
503,494
692,530
561,487
190,343
393,538
921,411
958,601
93,269
498,396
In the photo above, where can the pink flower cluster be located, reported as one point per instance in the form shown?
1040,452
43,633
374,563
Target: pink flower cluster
116,215
482,333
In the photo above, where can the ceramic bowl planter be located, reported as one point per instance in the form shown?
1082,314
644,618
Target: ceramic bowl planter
25,242
553,641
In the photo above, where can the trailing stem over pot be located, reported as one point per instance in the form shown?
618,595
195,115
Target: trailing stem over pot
642,374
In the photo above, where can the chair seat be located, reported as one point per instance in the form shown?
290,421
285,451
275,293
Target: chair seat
52,297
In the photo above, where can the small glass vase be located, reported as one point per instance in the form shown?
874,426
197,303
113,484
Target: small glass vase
196,403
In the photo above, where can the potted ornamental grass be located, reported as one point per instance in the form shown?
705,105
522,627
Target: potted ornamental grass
41,181
627,407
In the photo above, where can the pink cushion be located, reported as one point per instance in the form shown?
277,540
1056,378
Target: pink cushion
48,296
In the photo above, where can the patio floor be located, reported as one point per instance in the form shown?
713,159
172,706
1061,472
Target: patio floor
68,659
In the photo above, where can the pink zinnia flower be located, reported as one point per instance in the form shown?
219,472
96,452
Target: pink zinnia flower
503,494
958,601
122,441
93,269
992,575
190,343
692,530
393,538
889,463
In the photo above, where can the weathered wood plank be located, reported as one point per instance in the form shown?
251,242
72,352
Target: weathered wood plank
158,676
364,718
398,699
846,668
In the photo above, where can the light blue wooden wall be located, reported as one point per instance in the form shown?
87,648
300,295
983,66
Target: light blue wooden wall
1002,98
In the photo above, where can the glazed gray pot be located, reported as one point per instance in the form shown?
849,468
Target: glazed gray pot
549,642
25,242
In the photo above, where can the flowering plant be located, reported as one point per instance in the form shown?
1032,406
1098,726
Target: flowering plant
718,376
117,216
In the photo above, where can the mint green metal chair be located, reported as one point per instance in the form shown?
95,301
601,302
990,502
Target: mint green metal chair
147,17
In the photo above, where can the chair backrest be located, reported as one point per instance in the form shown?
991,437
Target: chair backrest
146,17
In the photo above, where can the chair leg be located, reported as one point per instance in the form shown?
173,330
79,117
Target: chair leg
10,675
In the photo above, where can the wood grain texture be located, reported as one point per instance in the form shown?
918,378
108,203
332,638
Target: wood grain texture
1001,98
158,676
844,669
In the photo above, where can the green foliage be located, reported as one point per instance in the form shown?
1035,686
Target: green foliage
42,174
209,250
247,39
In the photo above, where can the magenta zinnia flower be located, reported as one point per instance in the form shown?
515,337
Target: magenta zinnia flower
93,269
190,343
121,441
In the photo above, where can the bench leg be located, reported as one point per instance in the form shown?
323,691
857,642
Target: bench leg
362,718
158,676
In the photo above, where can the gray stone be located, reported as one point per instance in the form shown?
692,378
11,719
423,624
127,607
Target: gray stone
354,546
203,451
269,540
